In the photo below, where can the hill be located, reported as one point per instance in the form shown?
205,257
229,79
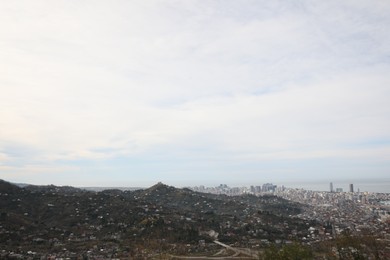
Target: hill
115,223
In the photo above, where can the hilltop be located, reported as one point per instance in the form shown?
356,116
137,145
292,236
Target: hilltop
48,219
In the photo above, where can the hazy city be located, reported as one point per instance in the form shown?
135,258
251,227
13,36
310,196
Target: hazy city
196,129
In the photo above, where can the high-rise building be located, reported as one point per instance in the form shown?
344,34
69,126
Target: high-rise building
268,187
331,187
351,187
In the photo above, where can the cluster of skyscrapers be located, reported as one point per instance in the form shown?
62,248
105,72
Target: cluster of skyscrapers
340,189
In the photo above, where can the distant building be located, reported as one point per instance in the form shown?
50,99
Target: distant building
351,187
267,187
339,189
331,187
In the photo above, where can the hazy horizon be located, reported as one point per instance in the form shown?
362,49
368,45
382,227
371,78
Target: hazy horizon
367,185
136,92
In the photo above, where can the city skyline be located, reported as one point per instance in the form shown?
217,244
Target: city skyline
362,186
98,93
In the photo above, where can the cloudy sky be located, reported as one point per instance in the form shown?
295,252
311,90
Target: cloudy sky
129,93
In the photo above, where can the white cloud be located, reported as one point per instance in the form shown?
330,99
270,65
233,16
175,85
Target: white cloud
96,80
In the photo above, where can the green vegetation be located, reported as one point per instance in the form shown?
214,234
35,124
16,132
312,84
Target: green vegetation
293,251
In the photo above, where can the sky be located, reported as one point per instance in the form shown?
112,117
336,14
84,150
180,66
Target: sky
130,93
